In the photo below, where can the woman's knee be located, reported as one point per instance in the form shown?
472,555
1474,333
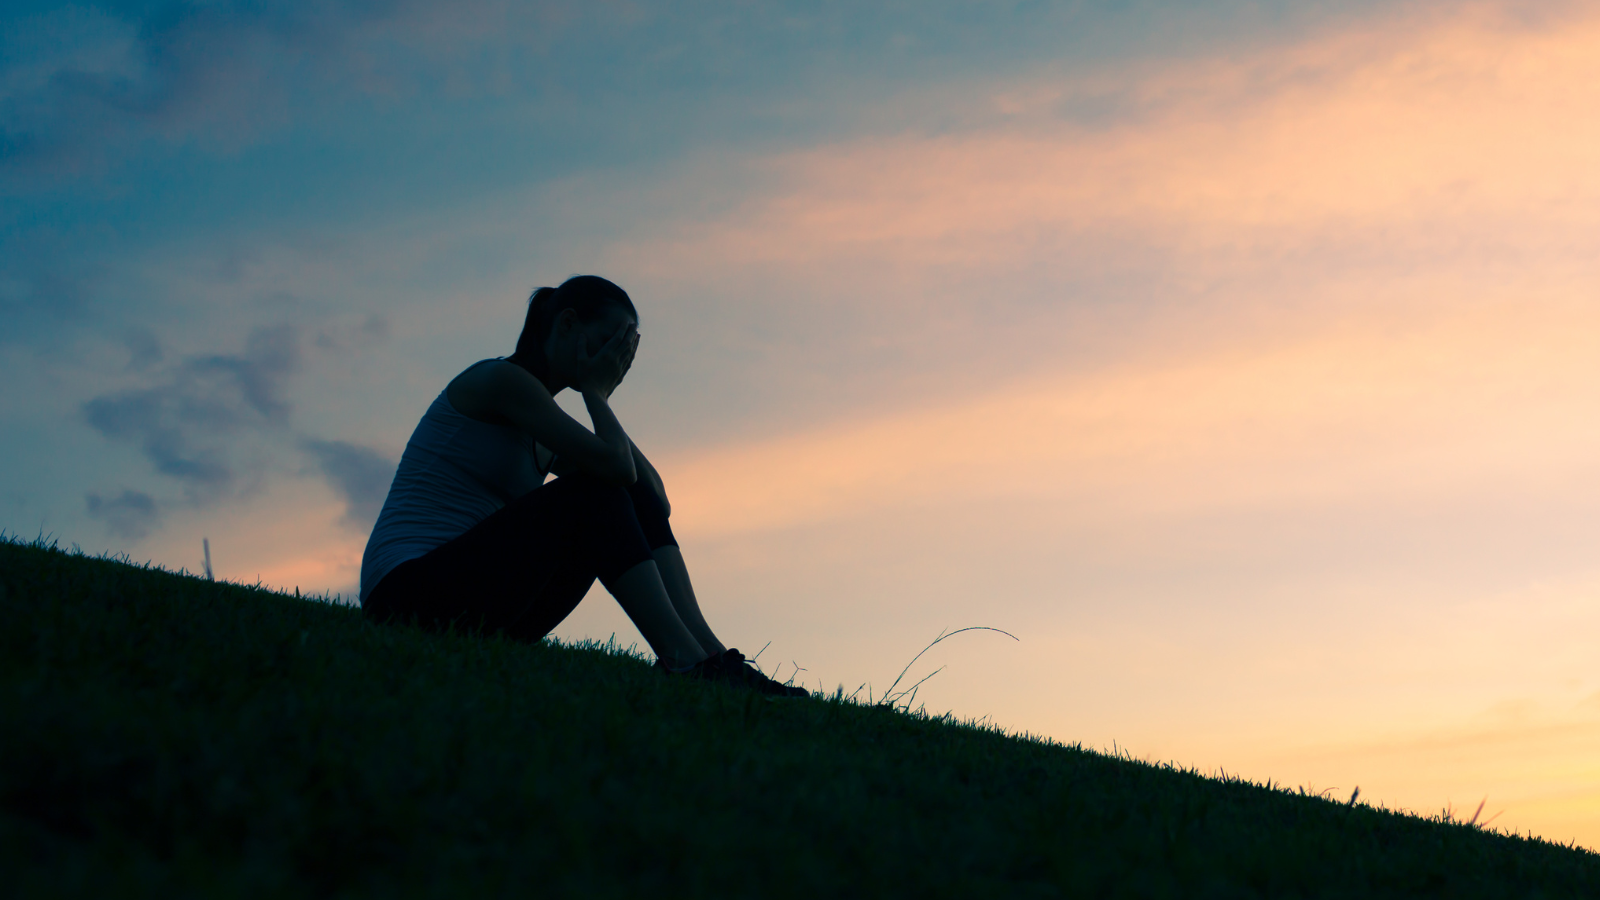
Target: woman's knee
646,500
652,513
608,533
595,497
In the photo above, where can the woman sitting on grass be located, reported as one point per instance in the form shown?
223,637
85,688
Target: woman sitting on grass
471,536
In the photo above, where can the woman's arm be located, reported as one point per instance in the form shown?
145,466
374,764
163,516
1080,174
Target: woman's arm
507,392
605,452
617,464
647,474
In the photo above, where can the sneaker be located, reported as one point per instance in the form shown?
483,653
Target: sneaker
733,668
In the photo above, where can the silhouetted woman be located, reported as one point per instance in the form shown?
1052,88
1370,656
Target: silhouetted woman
470,534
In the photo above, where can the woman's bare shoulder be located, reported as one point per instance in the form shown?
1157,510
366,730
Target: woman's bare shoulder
480,389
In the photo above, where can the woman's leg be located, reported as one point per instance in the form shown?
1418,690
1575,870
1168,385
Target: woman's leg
675,575
642,595
663,545
524,568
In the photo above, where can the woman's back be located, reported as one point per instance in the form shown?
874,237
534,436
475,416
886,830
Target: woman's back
454,473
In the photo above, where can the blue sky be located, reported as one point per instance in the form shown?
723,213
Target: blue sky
155,156
1236,356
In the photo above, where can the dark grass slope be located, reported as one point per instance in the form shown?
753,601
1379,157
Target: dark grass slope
161,735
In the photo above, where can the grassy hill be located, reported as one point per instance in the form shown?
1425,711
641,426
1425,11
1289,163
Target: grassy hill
162,735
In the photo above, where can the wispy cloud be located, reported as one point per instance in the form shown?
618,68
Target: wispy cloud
84,81
1416,407
1316,180
1337,146
361,475
130,514
186,425
210,420
82,86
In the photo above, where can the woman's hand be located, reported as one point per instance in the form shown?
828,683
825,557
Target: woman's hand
603,370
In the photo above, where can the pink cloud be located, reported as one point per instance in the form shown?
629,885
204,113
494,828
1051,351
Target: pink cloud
1456,125
1404,405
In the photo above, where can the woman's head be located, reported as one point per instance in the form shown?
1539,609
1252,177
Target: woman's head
586,309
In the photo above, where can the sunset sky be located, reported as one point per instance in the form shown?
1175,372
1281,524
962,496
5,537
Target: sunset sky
1242,358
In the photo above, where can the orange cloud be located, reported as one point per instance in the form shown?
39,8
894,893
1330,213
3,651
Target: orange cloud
1408,407
1434,130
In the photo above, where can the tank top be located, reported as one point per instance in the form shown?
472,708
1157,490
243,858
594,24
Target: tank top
454,473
